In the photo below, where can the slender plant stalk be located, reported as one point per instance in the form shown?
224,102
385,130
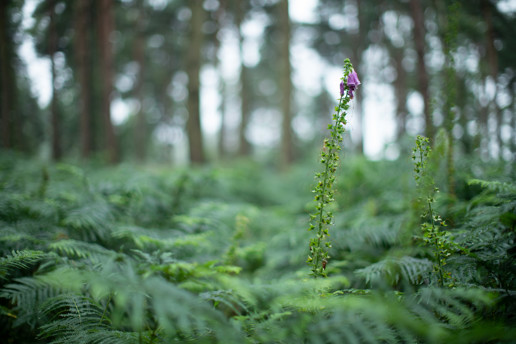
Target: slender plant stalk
322,219
432,235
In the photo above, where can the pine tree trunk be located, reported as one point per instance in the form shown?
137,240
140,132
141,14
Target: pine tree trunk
287,146
82,15
419,38
447,19
106,24
221,143
492,59
193,66
56,142
139,55
5,83
244,146
400,89
359,45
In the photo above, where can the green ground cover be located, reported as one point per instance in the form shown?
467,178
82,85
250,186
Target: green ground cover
218,255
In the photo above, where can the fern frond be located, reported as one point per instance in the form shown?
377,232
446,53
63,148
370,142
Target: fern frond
20,260
90,221
182,246
78,319
81,249
13,239
139,302
27,294
369,237
457,307
494,185
410,269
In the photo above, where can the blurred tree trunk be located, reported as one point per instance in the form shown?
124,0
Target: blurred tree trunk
287,145
359,45
139,56
419,38
400,90
481,140
448,20
54,109
106,23
492,60
193,66
221,143
82,53
512,144
6,81
244,146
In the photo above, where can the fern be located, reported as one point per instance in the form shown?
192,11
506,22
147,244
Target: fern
79,319
410,269
81,250
496,186
19,260
27,295
86,258
90,222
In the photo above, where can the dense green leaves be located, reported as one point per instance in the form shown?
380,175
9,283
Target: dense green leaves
127,255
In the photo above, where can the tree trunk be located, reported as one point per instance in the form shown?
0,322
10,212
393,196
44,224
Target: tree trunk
400,89
82,22
492,59
139,56
56,142
449,21
193,66
105,15
244,146
5,83
221,143
359,45
419,38
287,145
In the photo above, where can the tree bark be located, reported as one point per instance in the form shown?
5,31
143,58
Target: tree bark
5,83
359,45
139,56
105,15
56,141
419,38
287,145
82,15
400,89
221,143
193,66
492,59
244,146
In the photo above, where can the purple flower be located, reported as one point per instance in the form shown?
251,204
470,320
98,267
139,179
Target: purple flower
341,88
353,83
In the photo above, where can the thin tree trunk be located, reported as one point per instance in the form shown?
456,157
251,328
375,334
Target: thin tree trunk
419,38
221,144
105,15
139,55
287,145
193,66
492,59
400,89
359,44
56,142
82,15
244,146
6,84
449,21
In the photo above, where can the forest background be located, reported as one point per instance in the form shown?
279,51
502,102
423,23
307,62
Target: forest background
169,81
